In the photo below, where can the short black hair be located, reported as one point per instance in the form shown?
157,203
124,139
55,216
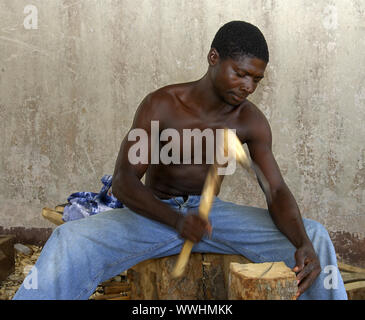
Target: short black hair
239,38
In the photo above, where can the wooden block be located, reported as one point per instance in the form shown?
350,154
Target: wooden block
61,207
206,277
262,281
117,288
5,267
53,216
348,268
121,298
112,297
7,256
348,277
354,280
355,290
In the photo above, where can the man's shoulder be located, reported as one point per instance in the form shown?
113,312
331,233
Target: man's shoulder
167,94
254,120
158,97
156,103
160,104
250,111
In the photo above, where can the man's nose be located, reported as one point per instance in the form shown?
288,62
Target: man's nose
248,85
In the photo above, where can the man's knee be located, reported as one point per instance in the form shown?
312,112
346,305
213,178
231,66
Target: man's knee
64,231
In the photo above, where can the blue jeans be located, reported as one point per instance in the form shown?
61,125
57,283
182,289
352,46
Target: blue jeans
81,254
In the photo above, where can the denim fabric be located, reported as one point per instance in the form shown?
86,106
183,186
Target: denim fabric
81,254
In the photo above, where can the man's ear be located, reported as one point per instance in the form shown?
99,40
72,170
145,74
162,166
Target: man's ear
213,57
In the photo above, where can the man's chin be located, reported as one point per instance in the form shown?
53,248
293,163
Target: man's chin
236,103
239,100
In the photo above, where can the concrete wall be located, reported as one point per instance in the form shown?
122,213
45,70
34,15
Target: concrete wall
69,90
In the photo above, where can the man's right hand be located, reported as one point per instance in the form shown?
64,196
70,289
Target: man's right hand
192,227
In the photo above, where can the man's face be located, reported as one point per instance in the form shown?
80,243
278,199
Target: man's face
235,79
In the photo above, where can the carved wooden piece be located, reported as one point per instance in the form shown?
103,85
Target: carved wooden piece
262,281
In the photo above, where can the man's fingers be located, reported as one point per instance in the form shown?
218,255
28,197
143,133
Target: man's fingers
306,277
191,236
304,272
307,267
306,283
210,230
299,259
195,227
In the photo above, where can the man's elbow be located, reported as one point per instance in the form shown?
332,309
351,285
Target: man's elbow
280,193
278,189
124,185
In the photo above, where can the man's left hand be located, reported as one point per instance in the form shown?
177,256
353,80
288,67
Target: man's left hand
307,267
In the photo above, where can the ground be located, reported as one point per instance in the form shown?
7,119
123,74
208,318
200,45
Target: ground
23,264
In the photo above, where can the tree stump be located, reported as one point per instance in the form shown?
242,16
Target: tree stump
206,277
262,281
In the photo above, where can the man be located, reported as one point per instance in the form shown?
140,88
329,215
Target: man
161,213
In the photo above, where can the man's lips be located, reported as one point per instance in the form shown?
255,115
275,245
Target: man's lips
239,97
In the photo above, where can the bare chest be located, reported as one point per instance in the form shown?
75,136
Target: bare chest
188,138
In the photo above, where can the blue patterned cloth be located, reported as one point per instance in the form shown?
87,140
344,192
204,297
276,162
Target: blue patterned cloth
83,204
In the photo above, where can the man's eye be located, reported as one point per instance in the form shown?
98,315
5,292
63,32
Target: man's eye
240,74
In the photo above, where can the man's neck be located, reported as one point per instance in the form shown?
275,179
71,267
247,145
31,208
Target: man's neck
205,96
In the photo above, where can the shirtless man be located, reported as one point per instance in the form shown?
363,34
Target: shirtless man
161,213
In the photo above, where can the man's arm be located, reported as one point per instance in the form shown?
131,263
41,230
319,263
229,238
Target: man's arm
128,188
126,184
283,207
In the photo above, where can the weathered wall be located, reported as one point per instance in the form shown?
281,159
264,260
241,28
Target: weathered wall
69,89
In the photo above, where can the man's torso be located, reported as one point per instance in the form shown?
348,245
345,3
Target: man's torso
180,112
